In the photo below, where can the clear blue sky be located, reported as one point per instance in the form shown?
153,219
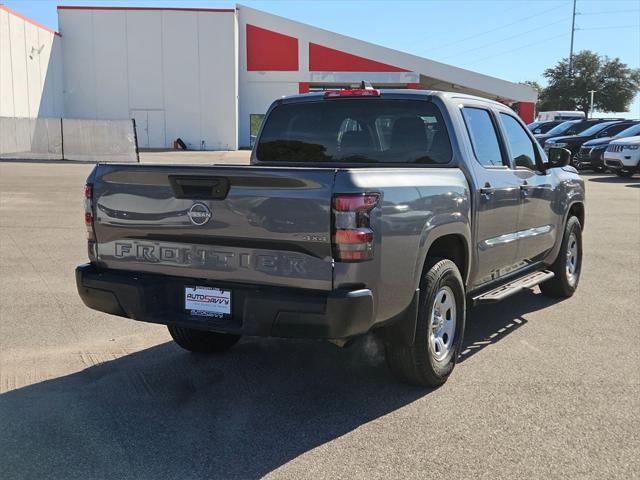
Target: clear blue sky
511,39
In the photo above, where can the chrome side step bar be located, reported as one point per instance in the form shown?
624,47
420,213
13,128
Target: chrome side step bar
513,287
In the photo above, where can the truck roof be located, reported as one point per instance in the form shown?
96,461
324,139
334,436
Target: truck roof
396,92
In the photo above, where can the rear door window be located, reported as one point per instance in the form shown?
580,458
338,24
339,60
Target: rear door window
563,128
614,130
484,138
520,145
579,128
546,128
362,130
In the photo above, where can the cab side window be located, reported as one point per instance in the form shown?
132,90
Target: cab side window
614,130
520,145
483,136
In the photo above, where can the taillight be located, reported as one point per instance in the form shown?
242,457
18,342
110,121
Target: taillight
352,234
88,207
354,92
88,221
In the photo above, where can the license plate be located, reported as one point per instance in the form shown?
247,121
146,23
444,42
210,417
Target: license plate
207,301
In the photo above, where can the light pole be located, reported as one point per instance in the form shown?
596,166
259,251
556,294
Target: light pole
573,30
591,105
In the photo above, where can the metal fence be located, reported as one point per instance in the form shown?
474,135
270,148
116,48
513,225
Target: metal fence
69,139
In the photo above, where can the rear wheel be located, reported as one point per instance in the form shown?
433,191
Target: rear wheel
568,265
431,358
200,341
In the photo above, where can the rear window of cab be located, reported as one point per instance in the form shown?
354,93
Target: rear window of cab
355,130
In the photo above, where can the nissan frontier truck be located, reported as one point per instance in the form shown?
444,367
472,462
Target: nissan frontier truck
362,210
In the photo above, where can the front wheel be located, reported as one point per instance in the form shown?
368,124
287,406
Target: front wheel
624,173
200,341
568,265
575,162
429,361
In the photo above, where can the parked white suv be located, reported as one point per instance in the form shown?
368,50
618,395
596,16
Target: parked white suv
623,156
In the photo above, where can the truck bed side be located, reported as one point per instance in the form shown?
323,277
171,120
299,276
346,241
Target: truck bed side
416,207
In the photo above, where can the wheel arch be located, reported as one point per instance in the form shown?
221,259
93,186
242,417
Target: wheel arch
576,209
451,242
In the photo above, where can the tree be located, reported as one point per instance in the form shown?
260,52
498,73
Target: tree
615,84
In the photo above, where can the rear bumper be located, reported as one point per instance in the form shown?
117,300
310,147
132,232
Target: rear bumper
256,310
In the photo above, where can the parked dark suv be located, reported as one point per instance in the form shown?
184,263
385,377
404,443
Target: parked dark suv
571,127
591,154
599,130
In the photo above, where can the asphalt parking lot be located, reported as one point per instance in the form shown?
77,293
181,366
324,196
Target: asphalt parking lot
544,389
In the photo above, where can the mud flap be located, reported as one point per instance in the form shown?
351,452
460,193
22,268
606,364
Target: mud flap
402,329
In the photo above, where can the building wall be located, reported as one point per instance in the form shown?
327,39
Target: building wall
197,74
30,68
174,71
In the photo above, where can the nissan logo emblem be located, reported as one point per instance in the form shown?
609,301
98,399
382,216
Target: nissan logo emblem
199,214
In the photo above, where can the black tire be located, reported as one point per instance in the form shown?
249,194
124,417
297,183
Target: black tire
417,364
600,169
561,286
624,173
575,162
200,341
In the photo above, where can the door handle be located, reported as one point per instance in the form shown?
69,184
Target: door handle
209,188
487,190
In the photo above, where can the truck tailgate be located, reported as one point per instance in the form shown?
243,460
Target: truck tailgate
245,224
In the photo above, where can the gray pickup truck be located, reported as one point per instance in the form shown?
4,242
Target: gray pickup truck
362,210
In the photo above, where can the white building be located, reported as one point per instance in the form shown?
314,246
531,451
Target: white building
207,75
30,68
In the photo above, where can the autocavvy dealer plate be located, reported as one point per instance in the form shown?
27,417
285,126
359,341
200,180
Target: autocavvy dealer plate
207,301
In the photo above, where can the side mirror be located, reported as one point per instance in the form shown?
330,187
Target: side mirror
558,157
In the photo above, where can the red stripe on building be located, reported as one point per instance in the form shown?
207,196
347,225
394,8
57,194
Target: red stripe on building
270,51
303,87
325,59
526,110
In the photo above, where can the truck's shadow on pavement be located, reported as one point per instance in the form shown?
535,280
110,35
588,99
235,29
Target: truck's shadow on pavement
488,324
163,413
612,178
